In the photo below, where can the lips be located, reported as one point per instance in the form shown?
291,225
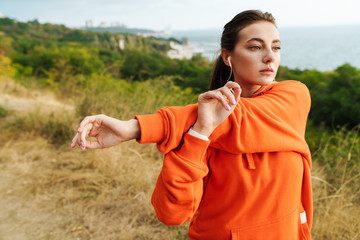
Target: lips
267,70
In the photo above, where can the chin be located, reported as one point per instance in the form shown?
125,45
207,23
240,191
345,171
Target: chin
265,82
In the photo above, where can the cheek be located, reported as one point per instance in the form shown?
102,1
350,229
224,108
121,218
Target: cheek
277,62
278,58
246,61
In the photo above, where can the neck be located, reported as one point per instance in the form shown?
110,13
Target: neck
248,90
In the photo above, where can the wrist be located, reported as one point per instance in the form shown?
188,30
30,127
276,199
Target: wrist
134,129
206,131
198,135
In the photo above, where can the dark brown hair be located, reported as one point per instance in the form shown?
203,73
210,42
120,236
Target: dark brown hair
229,39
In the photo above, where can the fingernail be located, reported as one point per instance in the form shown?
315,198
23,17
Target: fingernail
227,107
233,101
78,130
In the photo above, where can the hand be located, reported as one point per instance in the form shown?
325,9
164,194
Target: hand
107,131
215,106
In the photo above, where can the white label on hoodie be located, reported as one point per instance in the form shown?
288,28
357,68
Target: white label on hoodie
303,217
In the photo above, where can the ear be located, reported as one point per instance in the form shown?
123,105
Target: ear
225,54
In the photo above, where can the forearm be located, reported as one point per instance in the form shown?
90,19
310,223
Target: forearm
166,128
124,130
134,131
179,187
275,121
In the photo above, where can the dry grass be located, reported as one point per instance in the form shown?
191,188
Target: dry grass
336,207
336,185
66,194
49,191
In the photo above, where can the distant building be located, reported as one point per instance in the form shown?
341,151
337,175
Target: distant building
103,25
180,51
122,44
117,24
89,24
146,34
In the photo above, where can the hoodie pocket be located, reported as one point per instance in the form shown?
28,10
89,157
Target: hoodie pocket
290,227
304,227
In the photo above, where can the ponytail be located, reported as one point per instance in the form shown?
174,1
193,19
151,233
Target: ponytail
220,74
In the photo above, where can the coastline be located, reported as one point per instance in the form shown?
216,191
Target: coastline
323,48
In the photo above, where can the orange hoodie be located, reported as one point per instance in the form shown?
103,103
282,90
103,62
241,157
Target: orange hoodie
250,181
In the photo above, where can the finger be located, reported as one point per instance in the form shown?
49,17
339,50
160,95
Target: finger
218,96
237,94
228,94
235,88
85,133
232,84
85,121
74,141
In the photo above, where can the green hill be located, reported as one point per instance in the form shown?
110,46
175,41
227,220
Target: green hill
118,29
54,54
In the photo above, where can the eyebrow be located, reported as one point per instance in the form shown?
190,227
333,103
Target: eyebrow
262,41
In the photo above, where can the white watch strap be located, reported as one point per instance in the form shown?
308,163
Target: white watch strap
198,135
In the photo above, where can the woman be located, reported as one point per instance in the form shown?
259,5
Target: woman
236,164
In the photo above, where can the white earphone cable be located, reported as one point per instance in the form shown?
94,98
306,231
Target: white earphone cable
230,69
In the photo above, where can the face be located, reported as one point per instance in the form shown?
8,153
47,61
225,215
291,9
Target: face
256,56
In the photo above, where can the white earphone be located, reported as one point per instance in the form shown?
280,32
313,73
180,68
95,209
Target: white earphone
230,68
229,61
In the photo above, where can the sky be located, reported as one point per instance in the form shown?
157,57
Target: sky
180,14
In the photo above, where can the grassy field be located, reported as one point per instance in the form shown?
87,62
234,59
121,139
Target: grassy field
50,191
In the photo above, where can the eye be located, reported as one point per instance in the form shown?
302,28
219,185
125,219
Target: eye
255,47
276,49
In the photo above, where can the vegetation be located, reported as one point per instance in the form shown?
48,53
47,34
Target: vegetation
56,52
52,76
335,95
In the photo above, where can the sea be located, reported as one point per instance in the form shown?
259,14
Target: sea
323,48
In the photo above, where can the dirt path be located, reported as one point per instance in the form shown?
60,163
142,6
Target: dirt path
45,103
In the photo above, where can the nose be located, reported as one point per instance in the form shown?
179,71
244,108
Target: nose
269,56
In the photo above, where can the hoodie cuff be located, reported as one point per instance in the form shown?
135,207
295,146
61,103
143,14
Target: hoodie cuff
198,135
193,149
152,128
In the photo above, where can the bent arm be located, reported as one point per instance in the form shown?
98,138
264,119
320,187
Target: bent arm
274,121
179,187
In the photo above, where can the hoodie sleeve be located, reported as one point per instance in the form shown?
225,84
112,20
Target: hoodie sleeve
167,127
274,121
179,187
